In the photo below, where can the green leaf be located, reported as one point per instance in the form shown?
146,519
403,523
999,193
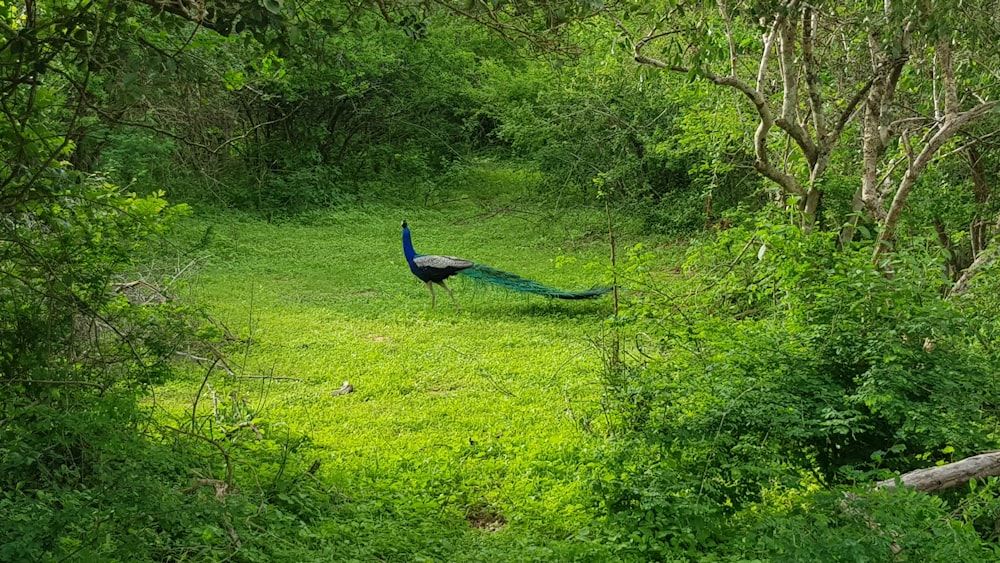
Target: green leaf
273,6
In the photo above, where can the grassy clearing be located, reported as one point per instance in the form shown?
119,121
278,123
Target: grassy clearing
466,433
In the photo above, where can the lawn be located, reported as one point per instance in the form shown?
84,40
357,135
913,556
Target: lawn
468,433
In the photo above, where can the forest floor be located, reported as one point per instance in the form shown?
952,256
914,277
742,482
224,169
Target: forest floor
468,435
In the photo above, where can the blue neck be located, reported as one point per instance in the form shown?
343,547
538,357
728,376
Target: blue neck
408,245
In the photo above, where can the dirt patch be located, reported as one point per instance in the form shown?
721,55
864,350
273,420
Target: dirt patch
485,518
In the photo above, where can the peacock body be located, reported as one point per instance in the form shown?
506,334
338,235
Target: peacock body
434,270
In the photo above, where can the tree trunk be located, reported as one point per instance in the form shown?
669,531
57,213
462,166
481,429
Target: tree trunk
984,259
950,123
857,207
944,477
981,189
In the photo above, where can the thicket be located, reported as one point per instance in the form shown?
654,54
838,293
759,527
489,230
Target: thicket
792,378
843,334
429,107
90,322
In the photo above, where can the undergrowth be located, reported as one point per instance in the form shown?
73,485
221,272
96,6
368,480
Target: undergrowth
754,409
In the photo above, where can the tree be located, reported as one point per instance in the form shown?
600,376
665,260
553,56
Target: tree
893,84
66,234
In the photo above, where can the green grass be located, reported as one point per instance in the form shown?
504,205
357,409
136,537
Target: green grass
458,421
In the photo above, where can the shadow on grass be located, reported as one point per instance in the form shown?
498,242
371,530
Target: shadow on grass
512,307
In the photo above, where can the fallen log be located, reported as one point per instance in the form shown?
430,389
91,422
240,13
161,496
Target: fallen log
950,475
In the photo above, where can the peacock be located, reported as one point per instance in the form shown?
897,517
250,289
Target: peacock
434,269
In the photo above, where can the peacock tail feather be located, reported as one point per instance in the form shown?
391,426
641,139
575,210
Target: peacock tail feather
515,282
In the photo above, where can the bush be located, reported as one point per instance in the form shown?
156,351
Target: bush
857,525
79,344
801,365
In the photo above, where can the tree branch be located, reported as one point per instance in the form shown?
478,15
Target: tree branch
849,110
952,124
724,12
214,443
947,72
790,89
196,11
985,258
781,34
765,55
810,21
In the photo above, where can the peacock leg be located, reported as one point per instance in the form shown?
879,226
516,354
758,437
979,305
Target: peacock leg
430,286
452,295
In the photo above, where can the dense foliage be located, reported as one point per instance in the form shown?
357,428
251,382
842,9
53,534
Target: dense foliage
798,367
834,324
839,338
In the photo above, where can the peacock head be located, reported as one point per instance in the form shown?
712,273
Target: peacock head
404,223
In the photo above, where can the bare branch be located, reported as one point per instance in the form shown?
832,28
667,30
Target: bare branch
269,377
488,16
246,424
975,140
194,406
653,37
344,389
904,138
222,488
214,443
189,142
767,121
763,163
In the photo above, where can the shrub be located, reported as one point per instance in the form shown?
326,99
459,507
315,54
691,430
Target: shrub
800,364
857,525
